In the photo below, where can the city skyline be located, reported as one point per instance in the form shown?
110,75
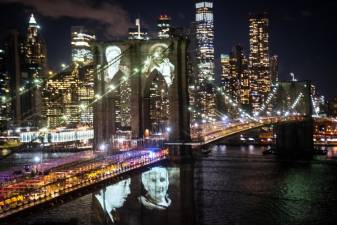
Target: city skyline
176,112
307,56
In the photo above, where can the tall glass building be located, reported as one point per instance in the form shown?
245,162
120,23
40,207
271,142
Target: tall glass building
259,60
164,26
5,93
81,45
205,77
34,71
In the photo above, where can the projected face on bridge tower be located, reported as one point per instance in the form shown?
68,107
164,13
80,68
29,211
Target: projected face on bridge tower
158,60
113,197
155,183
112,54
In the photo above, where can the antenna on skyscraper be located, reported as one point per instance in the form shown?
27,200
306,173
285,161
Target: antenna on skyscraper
138,26
293,77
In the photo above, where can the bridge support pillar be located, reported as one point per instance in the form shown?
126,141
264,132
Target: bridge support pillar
180,152
295,139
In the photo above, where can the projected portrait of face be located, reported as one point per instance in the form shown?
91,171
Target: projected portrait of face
155,183
159,60
112,54
113,197
166,68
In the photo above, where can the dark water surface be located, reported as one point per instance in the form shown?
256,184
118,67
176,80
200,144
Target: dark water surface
232,185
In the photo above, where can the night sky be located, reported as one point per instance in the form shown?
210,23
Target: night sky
302,33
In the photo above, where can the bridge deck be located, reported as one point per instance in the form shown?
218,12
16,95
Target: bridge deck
18,196
214,132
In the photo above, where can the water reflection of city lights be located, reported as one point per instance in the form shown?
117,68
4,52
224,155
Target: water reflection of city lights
332,153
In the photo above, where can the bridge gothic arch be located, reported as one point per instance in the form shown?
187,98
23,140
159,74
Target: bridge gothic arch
156,103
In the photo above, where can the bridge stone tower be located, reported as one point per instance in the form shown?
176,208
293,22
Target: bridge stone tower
139,63
295,139
287,94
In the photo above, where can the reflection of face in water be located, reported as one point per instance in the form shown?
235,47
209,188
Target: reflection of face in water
155,182
111,53
114,196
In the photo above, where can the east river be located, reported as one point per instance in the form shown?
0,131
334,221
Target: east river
231,185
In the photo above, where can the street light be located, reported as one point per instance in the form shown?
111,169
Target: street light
37,159
102,147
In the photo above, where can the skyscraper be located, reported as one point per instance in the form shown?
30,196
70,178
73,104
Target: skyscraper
259,60
138,32
225,70
5,91
61,99
243,74
86,93
81,45
164,26
13,55
274,64
34,71
35,48
235,77
205,77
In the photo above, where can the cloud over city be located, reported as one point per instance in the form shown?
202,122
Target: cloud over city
107,13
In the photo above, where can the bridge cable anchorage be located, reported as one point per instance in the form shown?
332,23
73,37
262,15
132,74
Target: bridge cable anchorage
105,67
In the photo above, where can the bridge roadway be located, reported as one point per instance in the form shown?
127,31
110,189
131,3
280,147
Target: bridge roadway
208,133
30,192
